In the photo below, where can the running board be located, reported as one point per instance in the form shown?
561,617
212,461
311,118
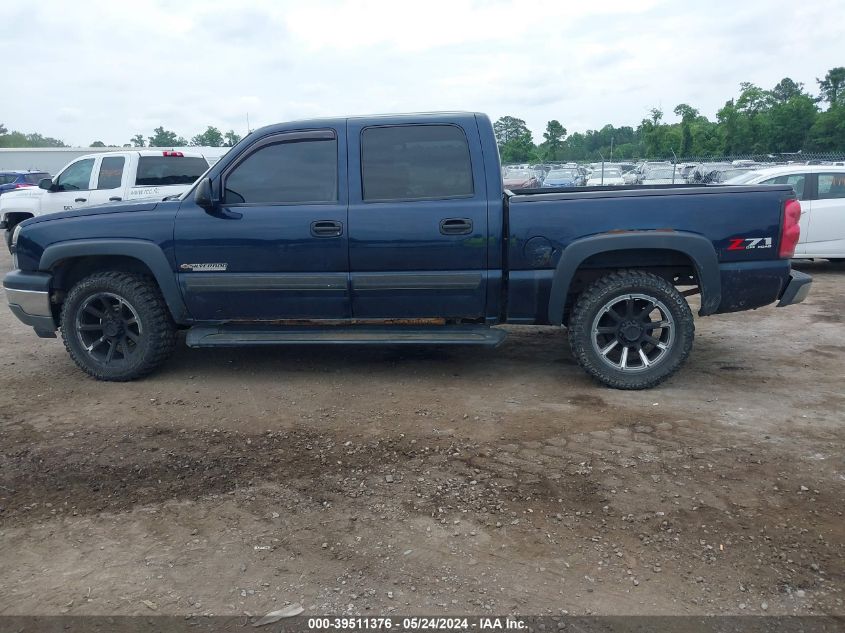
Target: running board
247,335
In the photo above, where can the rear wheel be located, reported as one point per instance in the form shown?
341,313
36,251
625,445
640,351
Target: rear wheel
116,326
631,330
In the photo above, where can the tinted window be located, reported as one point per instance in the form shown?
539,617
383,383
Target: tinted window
295,171
415,162
796,180
111,172
831,186
77,176
7,179
161,171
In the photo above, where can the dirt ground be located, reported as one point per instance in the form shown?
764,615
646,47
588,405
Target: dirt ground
432,481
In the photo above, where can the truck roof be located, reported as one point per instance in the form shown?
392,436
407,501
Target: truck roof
384,118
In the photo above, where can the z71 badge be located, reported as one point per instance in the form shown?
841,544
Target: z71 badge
749,243
204,268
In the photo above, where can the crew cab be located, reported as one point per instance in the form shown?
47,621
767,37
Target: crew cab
102,178
397,230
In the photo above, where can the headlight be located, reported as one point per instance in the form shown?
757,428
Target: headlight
15,232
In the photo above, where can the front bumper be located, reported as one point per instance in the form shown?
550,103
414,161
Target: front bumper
796,290
28,295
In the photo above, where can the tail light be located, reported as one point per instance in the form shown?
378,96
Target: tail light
790,230
173,154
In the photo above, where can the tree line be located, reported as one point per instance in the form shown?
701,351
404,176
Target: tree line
212,137
784,119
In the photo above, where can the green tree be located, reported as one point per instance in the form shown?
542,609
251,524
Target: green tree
828,131
212,137
833,86
231,138
14,138
138,141
786,89
514,140
3,129
688,114
553,145
97,144
165,138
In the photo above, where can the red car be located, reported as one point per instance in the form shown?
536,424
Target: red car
521,179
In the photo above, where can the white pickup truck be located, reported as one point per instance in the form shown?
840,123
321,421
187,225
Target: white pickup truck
103,178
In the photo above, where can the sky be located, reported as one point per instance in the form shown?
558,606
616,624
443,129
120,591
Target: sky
105,70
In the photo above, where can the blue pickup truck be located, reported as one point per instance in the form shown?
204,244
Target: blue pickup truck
397,230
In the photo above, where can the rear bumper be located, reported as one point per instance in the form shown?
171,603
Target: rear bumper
796,290
28,295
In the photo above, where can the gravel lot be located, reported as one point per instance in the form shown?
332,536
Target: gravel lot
462,481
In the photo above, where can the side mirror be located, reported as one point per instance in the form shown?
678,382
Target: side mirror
45,183
202,195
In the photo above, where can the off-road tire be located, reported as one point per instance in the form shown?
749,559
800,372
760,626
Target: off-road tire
617,285
156,332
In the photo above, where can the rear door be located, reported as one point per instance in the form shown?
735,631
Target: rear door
801,183
276,245
826,233
110,179
417,220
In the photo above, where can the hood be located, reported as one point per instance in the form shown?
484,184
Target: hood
511,182
99,209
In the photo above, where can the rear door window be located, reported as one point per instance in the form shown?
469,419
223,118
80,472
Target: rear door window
111,172
831,186
162,171
415,162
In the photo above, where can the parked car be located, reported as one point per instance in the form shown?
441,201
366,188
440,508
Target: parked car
821,190
661,176
102,178
610,177
396,230
569,177
521,179
18,179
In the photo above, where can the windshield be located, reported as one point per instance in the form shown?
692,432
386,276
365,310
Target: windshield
659,174
608,173
743,179
562,173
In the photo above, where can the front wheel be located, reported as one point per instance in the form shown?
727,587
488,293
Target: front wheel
116,326
631,330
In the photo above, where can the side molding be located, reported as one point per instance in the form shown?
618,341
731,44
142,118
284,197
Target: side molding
146,252
698,248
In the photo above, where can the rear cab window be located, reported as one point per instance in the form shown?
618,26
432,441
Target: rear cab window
415,162
163,171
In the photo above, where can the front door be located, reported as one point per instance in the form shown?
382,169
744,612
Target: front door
417,221
275,246
71,188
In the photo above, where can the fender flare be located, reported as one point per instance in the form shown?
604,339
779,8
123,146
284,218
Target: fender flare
697,247
147,252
